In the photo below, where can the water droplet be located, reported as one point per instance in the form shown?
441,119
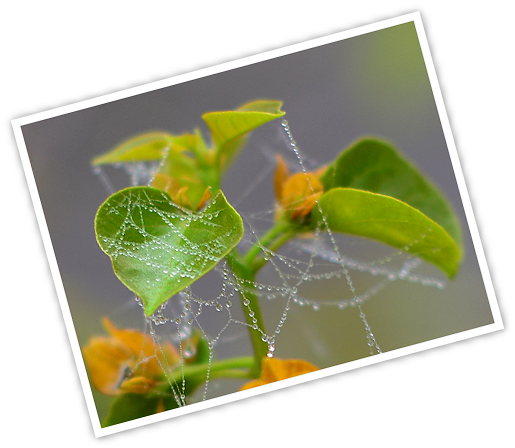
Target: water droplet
189,351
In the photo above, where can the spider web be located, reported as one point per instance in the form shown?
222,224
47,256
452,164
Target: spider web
216,305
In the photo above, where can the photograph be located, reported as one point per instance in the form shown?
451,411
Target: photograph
257,225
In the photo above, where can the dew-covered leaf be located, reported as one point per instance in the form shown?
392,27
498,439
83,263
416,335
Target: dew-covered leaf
158,249
376,166
389,221
229,128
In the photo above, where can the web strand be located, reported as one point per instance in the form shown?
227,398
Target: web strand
300,262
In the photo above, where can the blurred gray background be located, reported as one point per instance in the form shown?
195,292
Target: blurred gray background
375,85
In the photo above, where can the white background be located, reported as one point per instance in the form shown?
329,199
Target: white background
57,53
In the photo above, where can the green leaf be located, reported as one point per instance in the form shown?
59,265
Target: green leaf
143,147
374,165
127,407
229,128
389,221
158,249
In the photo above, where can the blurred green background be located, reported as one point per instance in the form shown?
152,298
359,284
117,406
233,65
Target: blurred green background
375,84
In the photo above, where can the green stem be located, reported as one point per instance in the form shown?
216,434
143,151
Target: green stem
246,269
239,374
275,245
231,367
242,271
265,241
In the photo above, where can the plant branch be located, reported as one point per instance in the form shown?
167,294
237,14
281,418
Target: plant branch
250,300
231,367
246,268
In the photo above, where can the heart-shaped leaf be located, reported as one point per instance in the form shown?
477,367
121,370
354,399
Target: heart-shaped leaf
389,221
157,248
374,165
229,128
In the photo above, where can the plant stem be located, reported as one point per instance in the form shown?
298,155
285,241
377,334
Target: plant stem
236,373
246,268
231,367
255,322
265,241
274,245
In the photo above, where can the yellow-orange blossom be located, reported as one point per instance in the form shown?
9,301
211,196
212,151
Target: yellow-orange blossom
274,369
127,361
296,194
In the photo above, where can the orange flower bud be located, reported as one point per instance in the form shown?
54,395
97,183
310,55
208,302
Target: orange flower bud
127,361
297,194
281,175
137,385
205,197
273,369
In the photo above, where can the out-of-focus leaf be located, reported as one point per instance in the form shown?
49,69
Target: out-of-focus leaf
140,148
376,166
229,128
389,221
